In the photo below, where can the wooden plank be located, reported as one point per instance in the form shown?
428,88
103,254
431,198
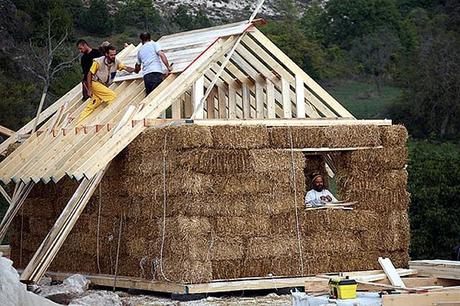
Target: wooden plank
280,70
260,98
292,122
222,102
176,109
197,95
239,285
210,105
270,89
13,209
420,299
124,282
287,110
315,87
6,131
391,272
232,100
300,97
246,103
188,107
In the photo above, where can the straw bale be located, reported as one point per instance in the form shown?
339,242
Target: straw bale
209,161
284,181
226,269
180,182
378,199
341,220
41,190
287,266
196,248
227,248
187,271
242,184
250,226
215,205
274,246
342,136
268,160
345,241
189,137
317,243
136,245
301,137
152,139
374,160
185,228
284,224
240,137
393,234
315,263
387,180
274,203
393,136
150,163
256,267
39,225
39,208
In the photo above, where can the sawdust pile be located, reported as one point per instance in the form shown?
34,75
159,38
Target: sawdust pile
192,203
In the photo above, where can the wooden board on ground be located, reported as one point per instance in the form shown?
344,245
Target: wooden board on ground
422,299
448,269
391,272
177,288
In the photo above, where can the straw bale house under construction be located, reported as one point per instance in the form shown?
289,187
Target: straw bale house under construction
220,196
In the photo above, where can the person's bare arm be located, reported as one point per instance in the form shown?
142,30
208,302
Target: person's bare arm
129,69
137,68
164,59
89,83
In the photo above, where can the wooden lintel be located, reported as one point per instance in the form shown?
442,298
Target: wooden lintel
292,122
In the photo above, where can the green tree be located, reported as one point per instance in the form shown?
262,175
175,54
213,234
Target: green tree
376,53
96,19
345,20
434,184
139,13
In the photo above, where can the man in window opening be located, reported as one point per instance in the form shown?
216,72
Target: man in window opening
318,196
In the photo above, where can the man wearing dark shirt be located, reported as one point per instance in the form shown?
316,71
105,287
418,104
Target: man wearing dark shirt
86,61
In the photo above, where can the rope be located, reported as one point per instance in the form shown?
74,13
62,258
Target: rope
295,200
98,230
118,253
163,234
20,237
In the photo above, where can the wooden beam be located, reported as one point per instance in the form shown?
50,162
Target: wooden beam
300,97
270,89
13,209
390,271
246,102
420,299
260,98
210,108
296,70
231,101
197,95
279,122
6,131
222,102
447,269
287,110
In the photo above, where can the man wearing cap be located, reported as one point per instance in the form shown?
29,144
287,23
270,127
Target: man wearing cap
318,196
151,58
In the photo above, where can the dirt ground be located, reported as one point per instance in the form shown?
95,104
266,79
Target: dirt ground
150,300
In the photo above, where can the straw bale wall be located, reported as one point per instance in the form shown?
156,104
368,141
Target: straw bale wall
200,203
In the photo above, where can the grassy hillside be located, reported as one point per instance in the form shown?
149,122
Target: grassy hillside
361,98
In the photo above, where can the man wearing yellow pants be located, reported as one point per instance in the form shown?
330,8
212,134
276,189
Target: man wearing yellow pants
100,76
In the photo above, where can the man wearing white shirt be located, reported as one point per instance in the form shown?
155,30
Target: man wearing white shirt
318,196
152,59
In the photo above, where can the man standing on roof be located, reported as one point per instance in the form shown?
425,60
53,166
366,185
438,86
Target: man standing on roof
86,61
318,195
100,77
151,58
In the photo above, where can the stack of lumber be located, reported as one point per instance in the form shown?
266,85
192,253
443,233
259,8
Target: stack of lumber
447,269
198,203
